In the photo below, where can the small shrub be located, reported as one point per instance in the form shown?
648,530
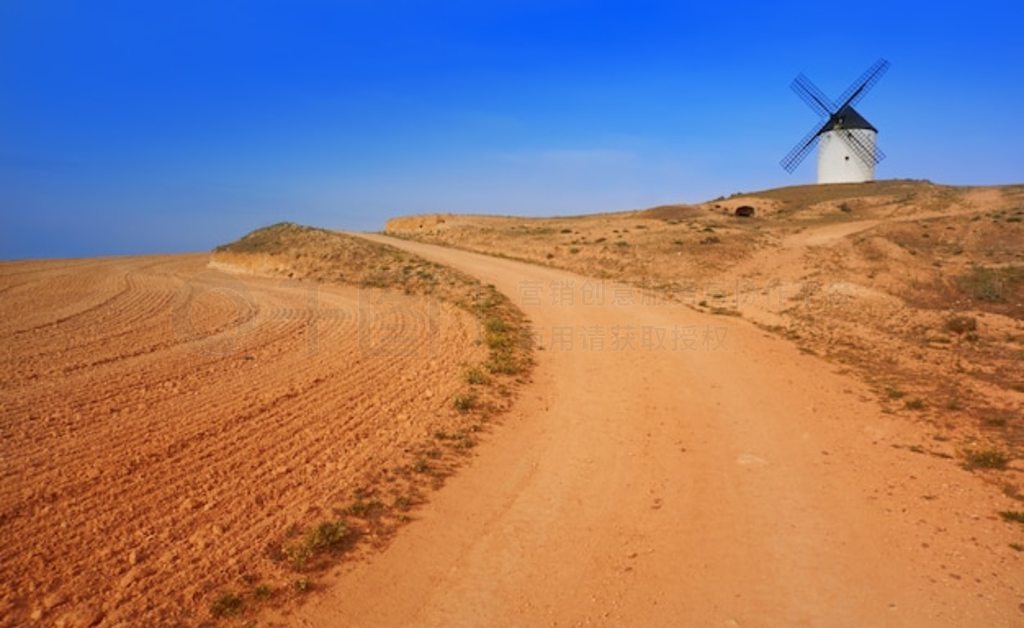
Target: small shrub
503,363
961,324
366,510
725,311
421,466
1015,516
301,585
985,459
328,535
566,231
262,592
495,326
403,503
227,605
894,393
915,404
464,442
476,377
464,403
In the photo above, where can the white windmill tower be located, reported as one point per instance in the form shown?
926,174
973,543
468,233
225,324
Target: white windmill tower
847,147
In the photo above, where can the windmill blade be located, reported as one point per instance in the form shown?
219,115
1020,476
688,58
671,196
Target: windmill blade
862,85
862,150
877,153
865,149
857,148
804,146
810,94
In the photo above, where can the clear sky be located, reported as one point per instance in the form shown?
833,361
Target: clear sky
136,126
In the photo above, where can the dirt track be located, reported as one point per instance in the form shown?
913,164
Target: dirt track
163,424
700,473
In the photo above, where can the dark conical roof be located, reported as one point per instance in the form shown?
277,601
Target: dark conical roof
847,118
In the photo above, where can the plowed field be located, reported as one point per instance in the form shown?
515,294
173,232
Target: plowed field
161,423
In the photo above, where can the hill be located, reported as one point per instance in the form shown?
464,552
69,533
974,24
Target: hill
919,287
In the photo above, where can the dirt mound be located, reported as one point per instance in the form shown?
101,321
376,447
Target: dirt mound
300,252
672,212
423,222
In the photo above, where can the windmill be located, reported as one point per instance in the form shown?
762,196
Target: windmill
847,151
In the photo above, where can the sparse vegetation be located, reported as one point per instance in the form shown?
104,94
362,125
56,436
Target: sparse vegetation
894,393
403,503
1016,516
991,284
725,311
227,605
477,377
421,466
985,459
366,509
915,404
961,324
299,252
263,592
327,536
906,308
465,403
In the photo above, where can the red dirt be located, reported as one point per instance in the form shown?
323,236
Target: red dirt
163,424
733,482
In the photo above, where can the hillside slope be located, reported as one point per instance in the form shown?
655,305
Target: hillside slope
670,467
916,286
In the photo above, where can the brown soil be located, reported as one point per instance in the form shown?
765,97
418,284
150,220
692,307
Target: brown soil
174,435
869,275
704,473
810,416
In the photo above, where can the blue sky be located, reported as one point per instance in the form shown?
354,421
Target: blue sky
132,127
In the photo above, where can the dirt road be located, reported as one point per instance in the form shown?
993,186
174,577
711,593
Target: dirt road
670,468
